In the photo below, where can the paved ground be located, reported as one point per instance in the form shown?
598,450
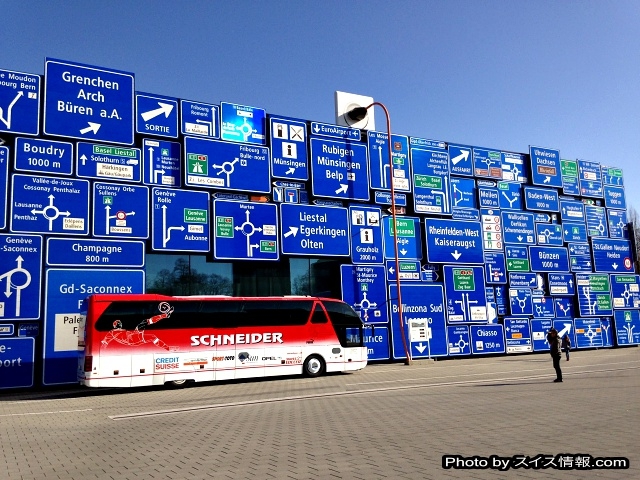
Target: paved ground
388,421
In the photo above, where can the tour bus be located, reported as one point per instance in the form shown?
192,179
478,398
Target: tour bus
146,339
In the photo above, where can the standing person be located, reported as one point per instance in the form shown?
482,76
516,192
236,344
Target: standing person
555,349
566,345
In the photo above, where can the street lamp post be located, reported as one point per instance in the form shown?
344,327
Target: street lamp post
358,114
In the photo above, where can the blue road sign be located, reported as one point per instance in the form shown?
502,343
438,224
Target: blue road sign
614,197
489,197
335,131
120,210
572,211
514,168
4,185
545,218
463,192
245,231
549,259
314,230
545,167
570,181
543,199
549,234
627,327
76,252
487,339
20,278
574,232
590,178
66,289
243,124
565,307
460,159
17,360
366,234
543,307
49,205
518,228
517,258
596,221
510,196
380,177
431,180
226,165
588,333
365,289
492,237
156,115
289,144
180,220
565,327
607,336
459,340
490,293
523,280
339,169
487,163
423,320
465,294
454,242
539,329
19,103
618,224
520,301
612,176
495,267
465,214
89,103
199,119
580,257
377,342
162,162
408,238
517,333
108,162
43,156
6,329
594,295
625,291
384,198
612,256
561,284
502,299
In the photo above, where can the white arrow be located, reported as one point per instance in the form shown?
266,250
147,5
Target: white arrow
456,255
403,251
343,188
391,270
317,129
292,231
615,266
84,159
519,237
565,330
93,127
165,108
291,170
420,347
464,155
547,179
1,141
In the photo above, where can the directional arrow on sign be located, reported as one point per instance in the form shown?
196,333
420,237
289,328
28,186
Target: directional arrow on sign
420,347
93,127
165,108
456,254
463,157
291,170
292,231
565,330
391,270
547,179
343,188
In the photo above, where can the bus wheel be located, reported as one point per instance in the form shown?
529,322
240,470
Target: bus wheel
177,383
313,366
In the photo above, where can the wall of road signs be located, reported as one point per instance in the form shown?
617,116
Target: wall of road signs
493,247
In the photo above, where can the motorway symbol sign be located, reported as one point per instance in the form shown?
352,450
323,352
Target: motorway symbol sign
495,267
545,167
487,163
20,276
489,197
366,234
611,255
543,199
572,211
520,301
245,231
625,291
76,252
120,210
523,280
431,180
180,220
517,259
463,192
549,259
614,197
19,103
570,182
4,185
199,119
487,339
590,178
89,103
409,241
335,131
618,224
596,221
588,333
156,115
574,232
365,289
226,165
49,205
580,257
242,124
561,284
108,162
43,156
517,332
594,295
314,230
289,144
454,242
408,271
510,196
380,178
543,307
465,294
423,320
162,162
612,176
627,327
459,340
549,234
514,168
518,228
17,357
460,159
339,169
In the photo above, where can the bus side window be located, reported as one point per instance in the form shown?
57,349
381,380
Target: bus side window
274,312
318,315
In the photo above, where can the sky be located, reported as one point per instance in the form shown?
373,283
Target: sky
497,74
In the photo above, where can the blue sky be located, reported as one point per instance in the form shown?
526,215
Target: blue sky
497,74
